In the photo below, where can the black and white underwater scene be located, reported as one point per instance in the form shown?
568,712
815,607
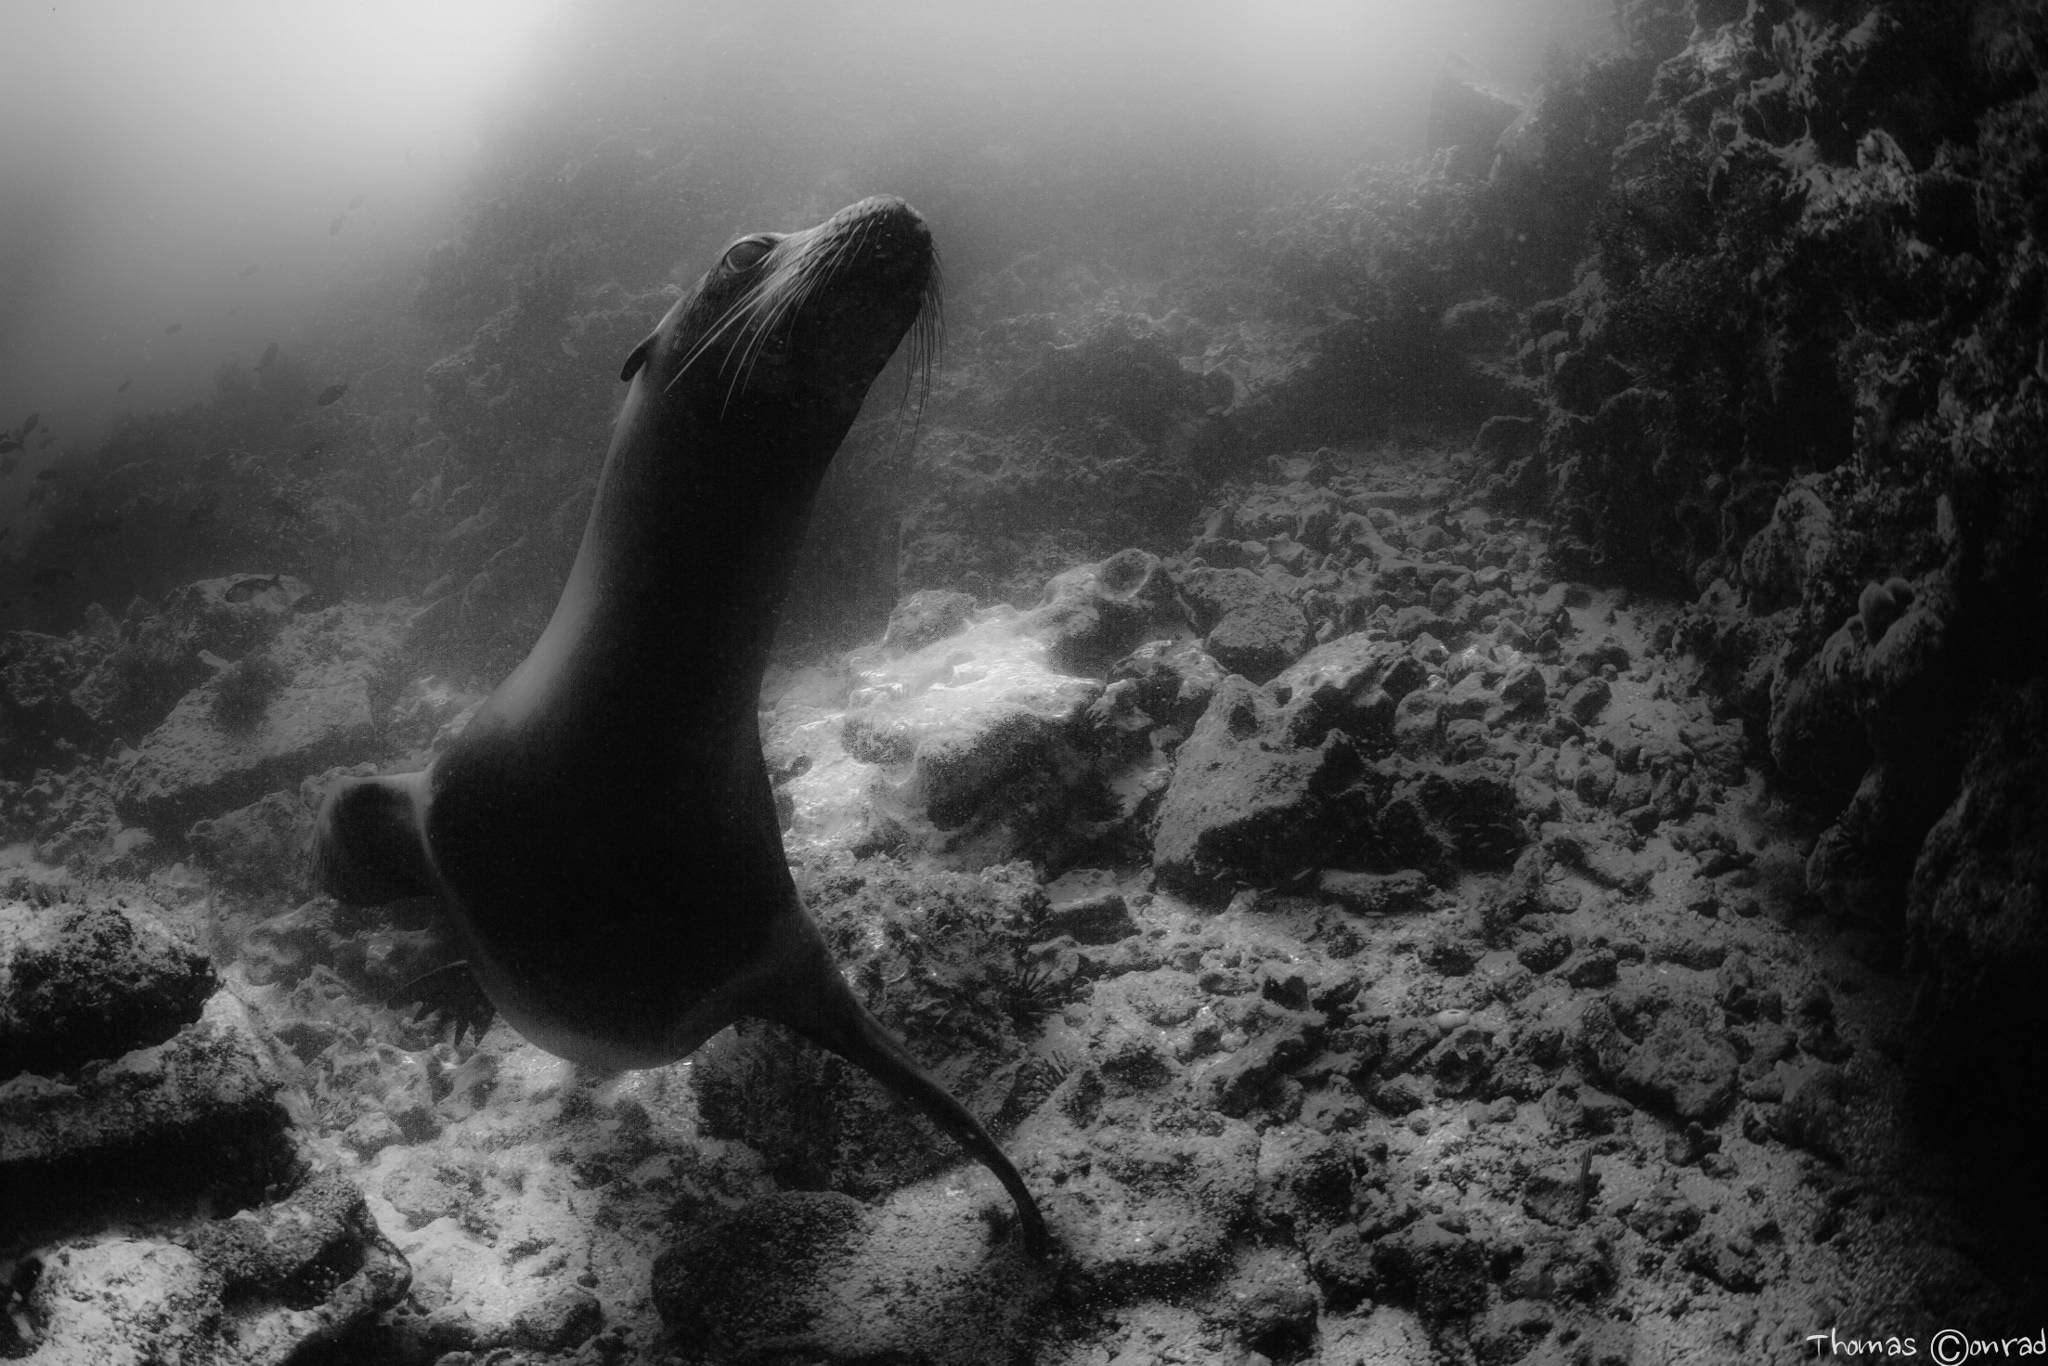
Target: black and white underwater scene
923,683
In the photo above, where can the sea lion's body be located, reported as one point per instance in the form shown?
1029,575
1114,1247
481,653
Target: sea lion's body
602,833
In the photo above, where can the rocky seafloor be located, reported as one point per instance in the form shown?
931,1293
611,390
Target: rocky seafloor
1448,985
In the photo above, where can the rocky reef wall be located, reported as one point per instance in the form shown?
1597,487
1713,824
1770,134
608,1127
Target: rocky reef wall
1799,373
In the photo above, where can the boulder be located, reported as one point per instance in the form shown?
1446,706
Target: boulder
313,697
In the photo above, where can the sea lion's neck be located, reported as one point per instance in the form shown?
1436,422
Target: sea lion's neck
679,581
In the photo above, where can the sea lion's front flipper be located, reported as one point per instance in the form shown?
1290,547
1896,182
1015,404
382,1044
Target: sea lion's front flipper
367,842
826,1012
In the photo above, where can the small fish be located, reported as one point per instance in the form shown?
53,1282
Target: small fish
50,473
30,425
247,271
356,203
8,444
233,311
7,464
172,329
52,574
313,448
44,444
269,355
335,226
100,526
201,513
330,393
124,386
408,158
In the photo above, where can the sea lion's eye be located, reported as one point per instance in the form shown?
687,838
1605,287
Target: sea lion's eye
747,253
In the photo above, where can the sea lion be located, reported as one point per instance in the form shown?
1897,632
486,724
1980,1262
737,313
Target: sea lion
602,834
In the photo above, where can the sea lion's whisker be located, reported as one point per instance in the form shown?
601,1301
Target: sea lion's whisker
731,315
927,341
771,303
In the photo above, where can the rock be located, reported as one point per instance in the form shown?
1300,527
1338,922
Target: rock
928,615
124,1299
1469,120
1661,1048
269,1285
79,982
1133,1062
1546,952
1816,734
1561,1197
1664,1214
1793,549
1350,684
740,1282
1174,679
1729,1261
1462,815
1156,1209
1814,1114
1419,723
1506,437
1587,699
1240,807
319,1244
210,1077
219,748
561,1320
1596,967
1272,1304
1439,1271
1463,1063
1881,604
1093,615
192,1120
1509,1331
1252,628
1247,1078
1305,1179
157,656
38,676
1524,689
982,749
1449,954
259,847
370,1134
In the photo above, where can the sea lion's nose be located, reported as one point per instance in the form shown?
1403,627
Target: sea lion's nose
894,241
886,218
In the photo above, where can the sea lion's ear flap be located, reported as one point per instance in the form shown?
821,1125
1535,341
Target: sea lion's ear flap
638,358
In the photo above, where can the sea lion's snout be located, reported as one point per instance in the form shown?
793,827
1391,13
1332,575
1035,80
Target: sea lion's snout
891,240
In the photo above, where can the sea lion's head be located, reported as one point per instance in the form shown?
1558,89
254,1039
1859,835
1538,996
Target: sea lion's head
800,322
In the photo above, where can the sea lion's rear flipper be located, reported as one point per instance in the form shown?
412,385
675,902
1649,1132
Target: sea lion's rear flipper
367,842
828,1014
